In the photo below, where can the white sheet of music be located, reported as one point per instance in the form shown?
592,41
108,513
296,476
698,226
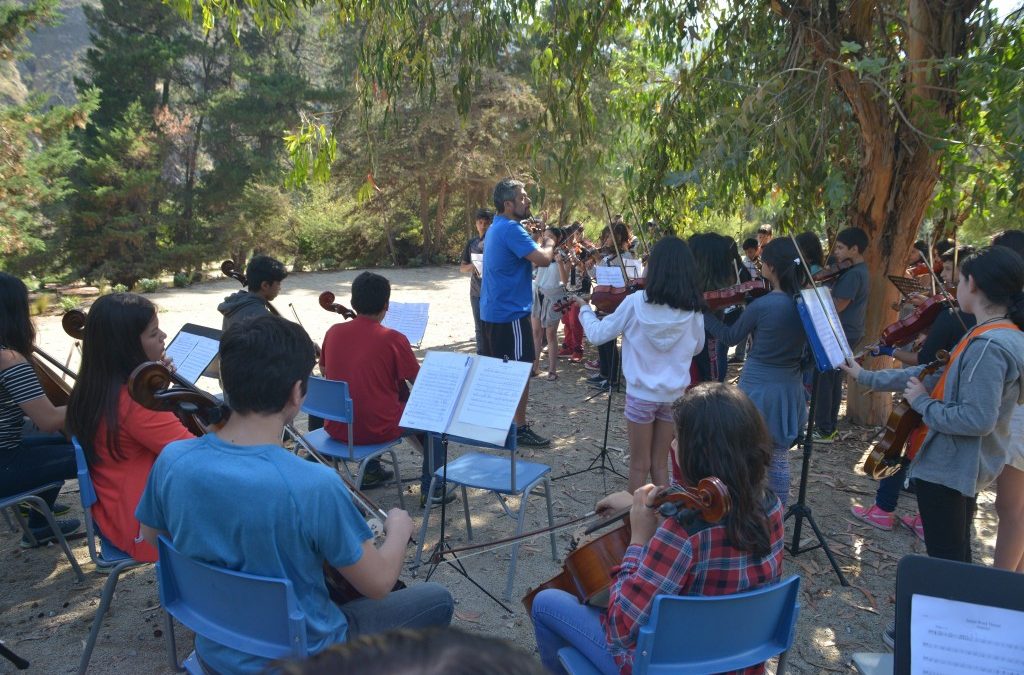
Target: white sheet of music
409,319
495,388
826,325
609,276
478,262
191,354
436,391
961,638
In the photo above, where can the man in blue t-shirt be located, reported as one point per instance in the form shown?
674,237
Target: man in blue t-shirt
237,499
506,295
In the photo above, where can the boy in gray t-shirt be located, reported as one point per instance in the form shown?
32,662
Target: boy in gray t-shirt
850,292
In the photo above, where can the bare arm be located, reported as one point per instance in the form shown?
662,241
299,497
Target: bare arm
545,255
377,570
150,535
41,411
842,304
466,268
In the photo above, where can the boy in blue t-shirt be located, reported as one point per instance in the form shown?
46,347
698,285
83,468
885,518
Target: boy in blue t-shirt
237,499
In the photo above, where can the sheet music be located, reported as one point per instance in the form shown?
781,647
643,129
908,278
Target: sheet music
494,393
634,268
609,276
409,319
436,391
191,353
478,262
830,333
961,638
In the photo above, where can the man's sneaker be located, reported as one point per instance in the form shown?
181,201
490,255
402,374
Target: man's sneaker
527,437
594,379
57,509
564,353
826,439
889,635
44,535
913,523
604,385
875,516
375,477
593,364
446,497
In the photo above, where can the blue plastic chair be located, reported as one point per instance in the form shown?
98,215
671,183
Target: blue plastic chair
697,634
330,400
253,614
501,476
13,502
111,564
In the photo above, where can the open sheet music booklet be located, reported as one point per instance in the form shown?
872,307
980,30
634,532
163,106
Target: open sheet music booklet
409,319
824,331
464,395
193,349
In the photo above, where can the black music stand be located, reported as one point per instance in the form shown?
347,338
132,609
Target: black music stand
800,510
19,663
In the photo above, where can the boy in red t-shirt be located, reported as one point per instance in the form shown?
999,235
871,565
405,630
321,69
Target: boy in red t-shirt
377,363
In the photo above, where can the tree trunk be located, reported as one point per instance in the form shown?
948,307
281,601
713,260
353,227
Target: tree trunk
442,209
425,224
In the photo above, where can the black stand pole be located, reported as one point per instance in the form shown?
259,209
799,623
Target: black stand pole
442,548
602,461
19,663
800,510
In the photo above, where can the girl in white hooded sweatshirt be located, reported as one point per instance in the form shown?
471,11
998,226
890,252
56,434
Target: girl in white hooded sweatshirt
662,328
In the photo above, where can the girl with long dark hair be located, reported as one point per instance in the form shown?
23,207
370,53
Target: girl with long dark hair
121,439
718,265
772,375
662,329
718,432
967,409
28,461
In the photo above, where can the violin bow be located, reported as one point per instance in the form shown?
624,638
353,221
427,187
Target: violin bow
937,283
615,242
644,236
847,353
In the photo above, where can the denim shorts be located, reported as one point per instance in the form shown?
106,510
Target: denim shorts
640,411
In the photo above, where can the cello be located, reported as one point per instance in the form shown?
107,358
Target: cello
587,571
230,269
326,300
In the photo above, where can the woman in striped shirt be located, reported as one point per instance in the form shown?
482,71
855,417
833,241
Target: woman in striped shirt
28,461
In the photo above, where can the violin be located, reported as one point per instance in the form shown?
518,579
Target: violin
327,302
888,456
830,272
919,269
230,269
737,294
921,319
587,571
606,299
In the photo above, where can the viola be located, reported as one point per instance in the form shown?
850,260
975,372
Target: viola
230,269
887,457
830,272
587,571
327,302
607,298
737,294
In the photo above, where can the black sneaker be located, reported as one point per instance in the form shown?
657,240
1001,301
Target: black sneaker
44,535
446,497
604,385
527,437
375,477
57,509
594,379
889,635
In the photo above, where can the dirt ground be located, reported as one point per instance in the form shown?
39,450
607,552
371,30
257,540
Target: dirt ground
45,615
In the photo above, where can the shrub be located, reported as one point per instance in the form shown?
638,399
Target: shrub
181,280
68,303
119,288
149,285
40,304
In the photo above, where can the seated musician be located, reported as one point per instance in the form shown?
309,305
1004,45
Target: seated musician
28,461
263,278
719,432
377,363
237,499
120,438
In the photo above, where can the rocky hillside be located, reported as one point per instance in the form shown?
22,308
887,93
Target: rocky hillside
54,56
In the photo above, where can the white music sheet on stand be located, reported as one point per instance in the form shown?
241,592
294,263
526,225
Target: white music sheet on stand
609,276
493,393
827,326
962,638
478,262
436,391
191,354
409,319
634,268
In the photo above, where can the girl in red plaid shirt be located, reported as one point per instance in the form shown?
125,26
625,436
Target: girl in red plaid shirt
719,432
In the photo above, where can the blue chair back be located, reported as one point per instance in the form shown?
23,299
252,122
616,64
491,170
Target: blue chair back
716,634
328,399
253,614
85,487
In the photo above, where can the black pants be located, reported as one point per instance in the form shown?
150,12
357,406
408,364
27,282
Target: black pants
830,396
946,516
474,302
40,459
608,359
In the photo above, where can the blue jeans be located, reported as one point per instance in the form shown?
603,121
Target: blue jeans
559,620
40,459
888,493
419,606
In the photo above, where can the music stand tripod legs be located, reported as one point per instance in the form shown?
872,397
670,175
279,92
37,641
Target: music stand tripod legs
602,461
800,510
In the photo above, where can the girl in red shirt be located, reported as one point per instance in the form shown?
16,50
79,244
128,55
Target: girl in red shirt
121,439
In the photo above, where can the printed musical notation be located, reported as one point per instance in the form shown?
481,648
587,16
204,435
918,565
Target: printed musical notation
962,638
192,350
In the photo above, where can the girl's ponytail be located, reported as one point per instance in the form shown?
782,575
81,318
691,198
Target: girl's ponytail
1016,309
784,258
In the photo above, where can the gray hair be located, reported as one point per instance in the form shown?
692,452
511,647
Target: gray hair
505,191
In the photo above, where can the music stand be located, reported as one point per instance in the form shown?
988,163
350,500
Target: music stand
907,286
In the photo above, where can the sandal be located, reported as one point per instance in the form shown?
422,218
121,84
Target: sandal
552,377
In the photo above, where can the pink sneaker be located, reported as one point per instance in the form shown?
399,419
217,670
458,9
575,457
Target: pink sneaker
592,365
875,516
913,523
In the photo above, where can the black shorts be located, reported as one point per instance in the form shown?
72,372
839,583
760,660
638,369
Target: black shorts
512,341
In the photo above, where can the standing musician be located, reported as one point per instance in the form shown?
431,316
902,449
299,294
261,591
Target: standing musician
772,376
475,247
850,293
121,439
719,432
713,254
506,294
662,330
574,266
28,461
613,237
967,411
263,277
302,516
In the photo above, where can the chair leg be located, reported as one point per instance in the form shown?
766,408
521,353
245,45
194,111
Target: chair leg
97,623
520,523
781,668
398,478
43,508
465,510
25,529
551,517
418,560
172,645
10,523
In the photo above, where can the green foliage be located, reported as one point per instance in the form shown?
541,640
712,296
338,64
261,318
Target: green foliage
118,288
69,302
40,304
149,285
182,280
